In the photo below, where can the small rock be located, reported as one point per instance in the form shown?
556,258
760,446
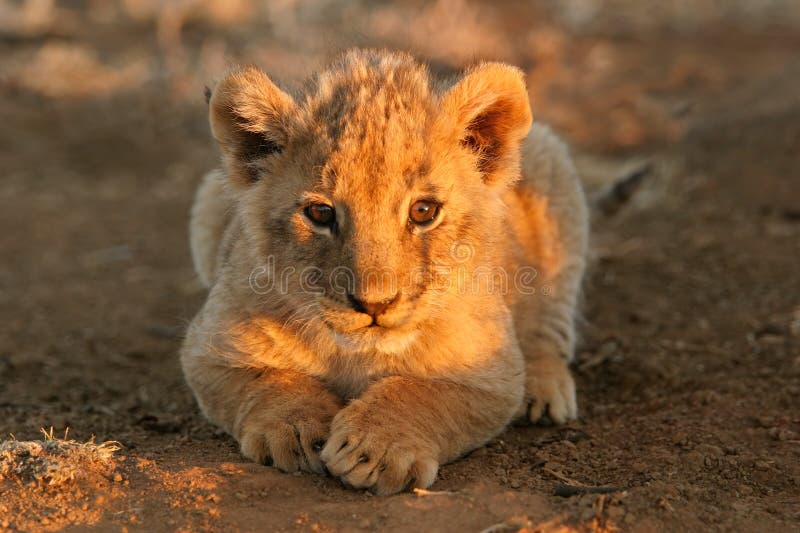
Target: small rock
710,449
731,450
771,339
680,439
783,434
695,459
705,397
664,504
761,465
153,423
766,421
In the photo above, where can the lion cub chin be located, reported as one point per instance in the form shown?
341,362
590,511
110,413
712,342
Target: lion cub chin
393,261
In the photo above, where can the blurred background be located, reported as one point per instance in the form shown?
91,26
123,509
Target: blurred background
610,74
692,338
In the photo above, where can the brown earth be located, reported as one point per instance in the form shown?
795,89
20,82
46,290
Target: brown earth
689,372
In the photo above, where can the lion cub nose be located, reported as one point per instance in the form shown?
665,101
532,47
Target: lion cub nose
371,308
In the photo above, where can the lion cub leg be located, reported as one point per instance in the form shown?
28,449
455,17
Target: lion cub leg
401,429
279,417
548,342
552,207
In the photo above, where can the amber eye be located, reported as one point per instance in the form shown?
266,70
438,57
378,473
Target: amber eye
423,212
320,214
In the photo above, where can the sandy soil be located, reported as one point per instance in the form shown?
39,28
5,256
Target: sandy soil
689,371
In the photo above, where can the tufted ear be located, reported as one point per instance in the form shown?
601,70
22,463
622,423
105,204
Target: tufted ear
492,115
249,119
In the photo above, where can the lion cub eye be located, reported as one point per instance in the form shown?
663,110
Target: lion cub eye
423,212
320,214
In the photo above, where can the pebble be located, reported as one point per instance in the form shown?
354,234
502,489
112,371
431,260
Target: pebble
766,421
680,439
761,465
783,434
695,459
710,449
731,450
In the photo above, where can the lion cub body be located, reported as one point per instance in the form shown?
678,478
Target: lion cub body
373,345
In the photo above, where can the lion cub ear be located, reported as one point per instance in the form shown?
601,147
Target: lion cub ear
492,115
249,119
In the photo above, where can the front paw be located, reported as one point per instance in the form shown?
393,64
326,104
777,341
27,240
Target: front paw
290,440
370,449
549,390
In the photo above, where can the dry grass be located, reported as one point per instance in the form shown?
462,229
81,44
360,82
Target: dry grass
53,461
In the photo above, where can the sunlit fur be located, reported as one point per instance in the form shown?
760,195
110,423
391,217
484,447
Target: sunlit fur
284,364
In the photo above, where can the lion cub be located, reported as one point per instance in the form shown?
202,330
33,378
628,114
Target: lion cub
394,262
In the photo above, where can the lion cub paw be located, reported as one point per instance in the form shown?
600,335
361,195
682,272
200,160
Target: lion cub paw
549,390
380,456
288,442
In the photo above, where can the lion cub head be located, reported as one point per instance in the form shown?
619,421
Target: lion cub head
368,184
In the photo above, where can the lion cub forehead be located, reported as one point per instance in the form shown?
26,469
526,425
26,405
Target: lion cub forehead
370,94
361,74
372,111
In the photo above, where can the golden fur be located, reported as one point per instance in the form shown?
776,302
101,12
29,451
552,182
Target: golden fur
280,357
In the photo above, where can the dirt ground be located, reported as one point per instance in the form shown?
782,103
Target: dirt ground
689,369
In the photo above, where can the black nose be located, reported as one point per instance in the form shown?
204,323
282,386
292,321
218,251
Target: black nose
371,308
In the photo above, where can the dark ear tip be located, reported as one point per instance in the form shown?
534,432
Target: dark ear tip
207,93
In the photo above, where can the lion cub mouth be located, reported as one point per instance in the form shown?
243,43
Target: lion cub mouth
351,322
376,339
355,331
346,323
